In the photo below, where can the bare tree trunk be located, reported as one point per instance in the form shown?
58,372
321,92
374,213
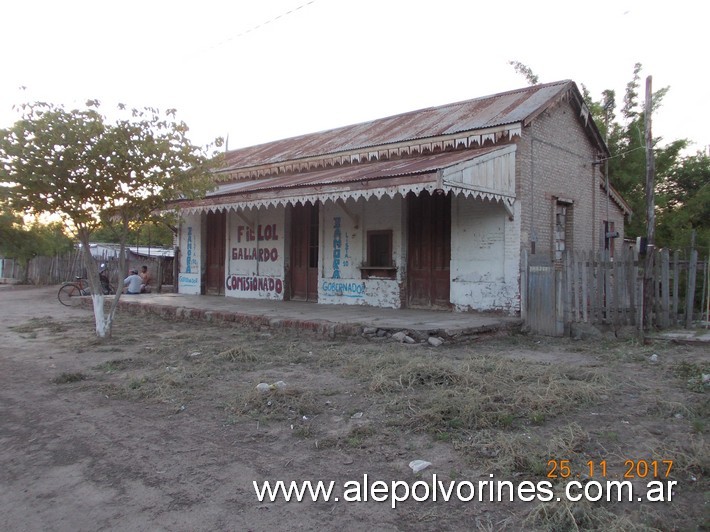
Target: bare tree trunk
103,329
123,236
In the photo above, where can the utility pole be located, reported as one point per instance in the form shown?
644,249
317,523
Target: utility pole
650,212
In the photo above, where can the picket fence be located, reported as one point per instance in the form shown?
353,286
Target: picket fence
592,287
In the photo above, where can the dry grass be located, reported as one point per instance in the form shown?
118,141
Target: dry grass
564,515
499,414
278,404
443,395
47,323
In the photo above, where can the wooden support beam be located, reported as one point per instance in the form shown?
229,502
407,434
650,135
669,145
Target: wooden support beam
243,217
354,217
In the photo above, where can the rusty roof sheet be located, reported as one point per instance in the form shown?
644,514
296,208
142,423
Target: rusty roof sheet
480,113
355,173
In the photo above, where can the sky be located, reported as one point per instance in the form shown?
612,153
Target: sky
263,70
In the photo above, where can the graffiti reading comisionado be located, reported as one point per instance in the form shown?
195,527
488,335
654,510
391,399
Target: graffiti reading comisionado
241,283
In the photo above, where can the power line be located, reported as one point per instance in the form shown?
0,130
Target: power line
259,26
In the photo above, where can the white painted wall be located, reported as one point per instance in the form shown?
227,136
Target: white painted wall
190,242
255,255
485,254
344,249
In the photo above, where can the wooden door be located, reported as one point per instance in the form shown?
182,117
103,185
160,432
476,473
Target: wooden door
216,249
304,252
429,250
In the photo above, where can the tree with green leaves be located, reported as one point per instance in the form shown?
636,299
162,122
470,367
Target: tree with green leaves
626,142
682,191
525,71
684,203
91,171
23,242
153,232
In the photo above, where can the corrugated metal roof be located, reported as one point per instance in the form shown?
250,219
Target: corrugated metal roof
480,113
387,177
355,173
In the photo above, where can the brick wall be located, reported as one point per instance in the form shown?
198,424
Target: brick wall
555,159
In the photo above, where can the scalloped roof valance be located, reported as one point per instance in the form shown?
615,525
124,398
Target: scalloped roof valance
485,173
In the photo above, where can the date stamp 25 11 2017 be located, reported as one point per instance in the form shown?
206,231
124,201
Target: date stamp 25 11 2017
640,469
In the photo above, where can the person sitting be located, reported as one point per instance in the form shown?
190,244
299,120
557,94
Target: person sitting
104,278
145,277
133,283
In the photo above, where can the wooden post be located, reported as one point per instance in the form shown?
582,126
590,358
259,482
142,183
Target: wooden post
650,209
160,274
690,293
703,301
665,289
602,274
707,294
585,287
676,296
575,286
567,260
523,287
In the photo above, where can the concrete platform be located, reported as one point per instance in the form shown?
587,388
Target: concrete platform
331,320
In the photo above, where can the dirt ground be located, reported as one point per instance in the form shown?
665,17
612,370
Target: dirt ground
161,427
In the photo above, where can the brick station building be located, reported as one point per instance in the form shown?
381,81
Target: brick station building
427,209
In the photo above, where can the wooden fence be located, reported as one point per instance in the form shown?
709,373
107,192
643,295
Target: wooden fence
44,270
591,287
58,269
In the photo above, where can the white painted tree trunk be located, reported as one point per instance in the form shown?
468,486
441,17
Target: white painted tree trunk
102,328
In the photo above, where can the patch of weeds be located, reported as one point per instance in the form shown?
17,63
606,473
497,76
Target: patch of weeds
448,396
443,436
118,364
516,452
66,378
690,459
112,349
354,441
135,384
281,403
237,354
504,420
329,442
610,435
358,435
692,374
303,431
666,408
561,514
34,324
537,418
697,426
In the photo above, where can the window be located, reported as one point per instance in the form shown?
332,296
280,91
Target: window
609,235
379,256
562,228
379,249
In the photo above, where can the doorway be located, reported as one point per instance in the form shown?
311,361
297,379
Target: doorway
429,250
304,252
216,249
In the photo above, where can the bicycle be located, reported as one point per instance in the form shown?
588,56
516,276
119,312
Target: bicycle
70,292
